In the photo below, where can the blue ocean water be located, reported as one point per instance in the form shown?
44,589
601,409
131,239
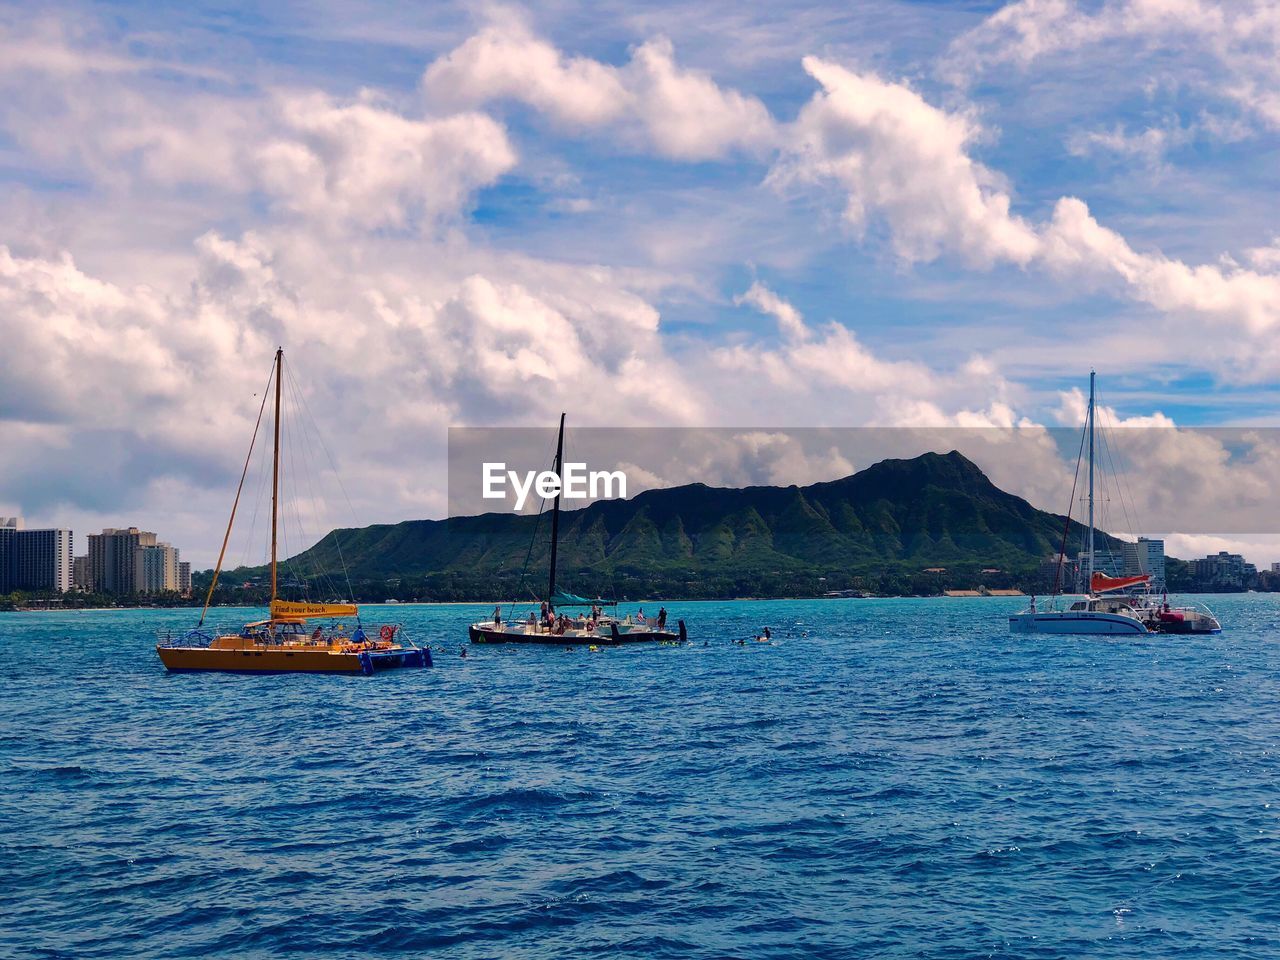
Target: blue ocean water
890,778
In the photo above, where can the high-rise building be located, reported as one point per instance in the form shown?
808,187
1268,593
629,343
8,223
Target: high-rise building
113,559
9,527
1104,561
156,569
43,560
33,559
1223,570
80,578
1145,556
184,578
129,560
1059,574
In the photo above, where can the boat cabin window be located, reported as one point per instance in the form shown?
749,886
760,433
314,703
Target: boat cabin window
1114,606
1080,605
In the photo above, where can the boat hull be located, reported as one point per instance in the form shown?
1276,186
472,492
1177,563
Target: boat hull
279,660
1185,624
490,635
1076,622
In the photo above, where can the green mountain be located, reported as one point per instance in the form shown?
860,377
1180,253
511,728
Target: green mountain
879,529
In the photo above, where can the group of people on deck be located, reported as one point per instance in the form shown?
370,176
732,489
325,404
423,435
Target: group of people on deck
558,623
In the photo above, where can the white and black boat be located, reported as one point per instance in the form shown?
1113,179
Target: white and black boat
1106,609
549,624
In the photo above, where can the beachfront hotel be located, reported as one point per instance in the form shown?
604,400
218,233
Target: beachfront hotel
33,559
128,560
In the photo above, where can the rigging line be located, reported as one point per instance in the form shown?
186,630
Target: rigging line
311,467
314,462
1066,527
263,475
306,410
307,558
524,570
1109,472
289,480
533,537
217,570
297,564
301,564
1110,488
1123,487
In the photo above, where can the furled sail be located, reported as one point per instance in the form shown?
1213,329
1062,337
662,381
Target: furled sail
562,598
286,610
1101,583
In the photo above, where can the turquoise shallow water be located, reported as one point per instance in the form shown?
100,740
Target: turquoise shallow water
892,778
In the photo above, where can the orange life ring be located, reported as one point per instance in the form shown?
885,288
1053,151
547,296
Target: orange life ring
387,633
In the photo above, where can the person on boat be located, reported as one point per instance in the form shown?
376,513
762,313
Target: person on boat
497,615
1033,603
358,636
317,633
546,612
662,618
640,616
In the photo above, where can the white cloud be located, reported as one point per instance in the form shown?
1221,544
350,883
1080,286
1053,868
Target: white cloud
902,160
1241,37
687,115
1149,145
829,356
361,163
339,162
1246,301
790,321
165,376
505,60
683,113
1266,258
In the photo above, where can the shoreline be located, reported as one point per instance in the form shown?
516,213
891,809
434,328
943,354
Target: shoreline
479,603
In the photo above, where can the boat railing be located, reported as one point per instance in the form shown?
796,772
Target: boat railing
184,638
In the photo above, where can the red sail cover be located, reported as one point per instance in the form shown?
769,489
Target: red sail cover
1101,583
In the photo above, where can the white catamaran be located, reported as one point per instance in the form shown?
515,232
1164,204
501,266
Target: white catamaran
1098,612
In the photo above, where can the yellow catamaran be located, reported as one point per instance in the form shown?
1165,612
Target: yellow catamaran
284,641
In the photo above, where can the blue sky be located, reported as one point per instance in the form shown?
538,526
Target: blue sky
890,213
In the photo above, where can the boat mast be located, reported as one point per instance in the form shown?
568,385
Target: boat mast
1089,580
275,473
555,514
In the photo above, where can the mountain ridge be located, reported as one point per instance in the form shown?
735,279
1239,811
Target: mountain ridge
883,528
